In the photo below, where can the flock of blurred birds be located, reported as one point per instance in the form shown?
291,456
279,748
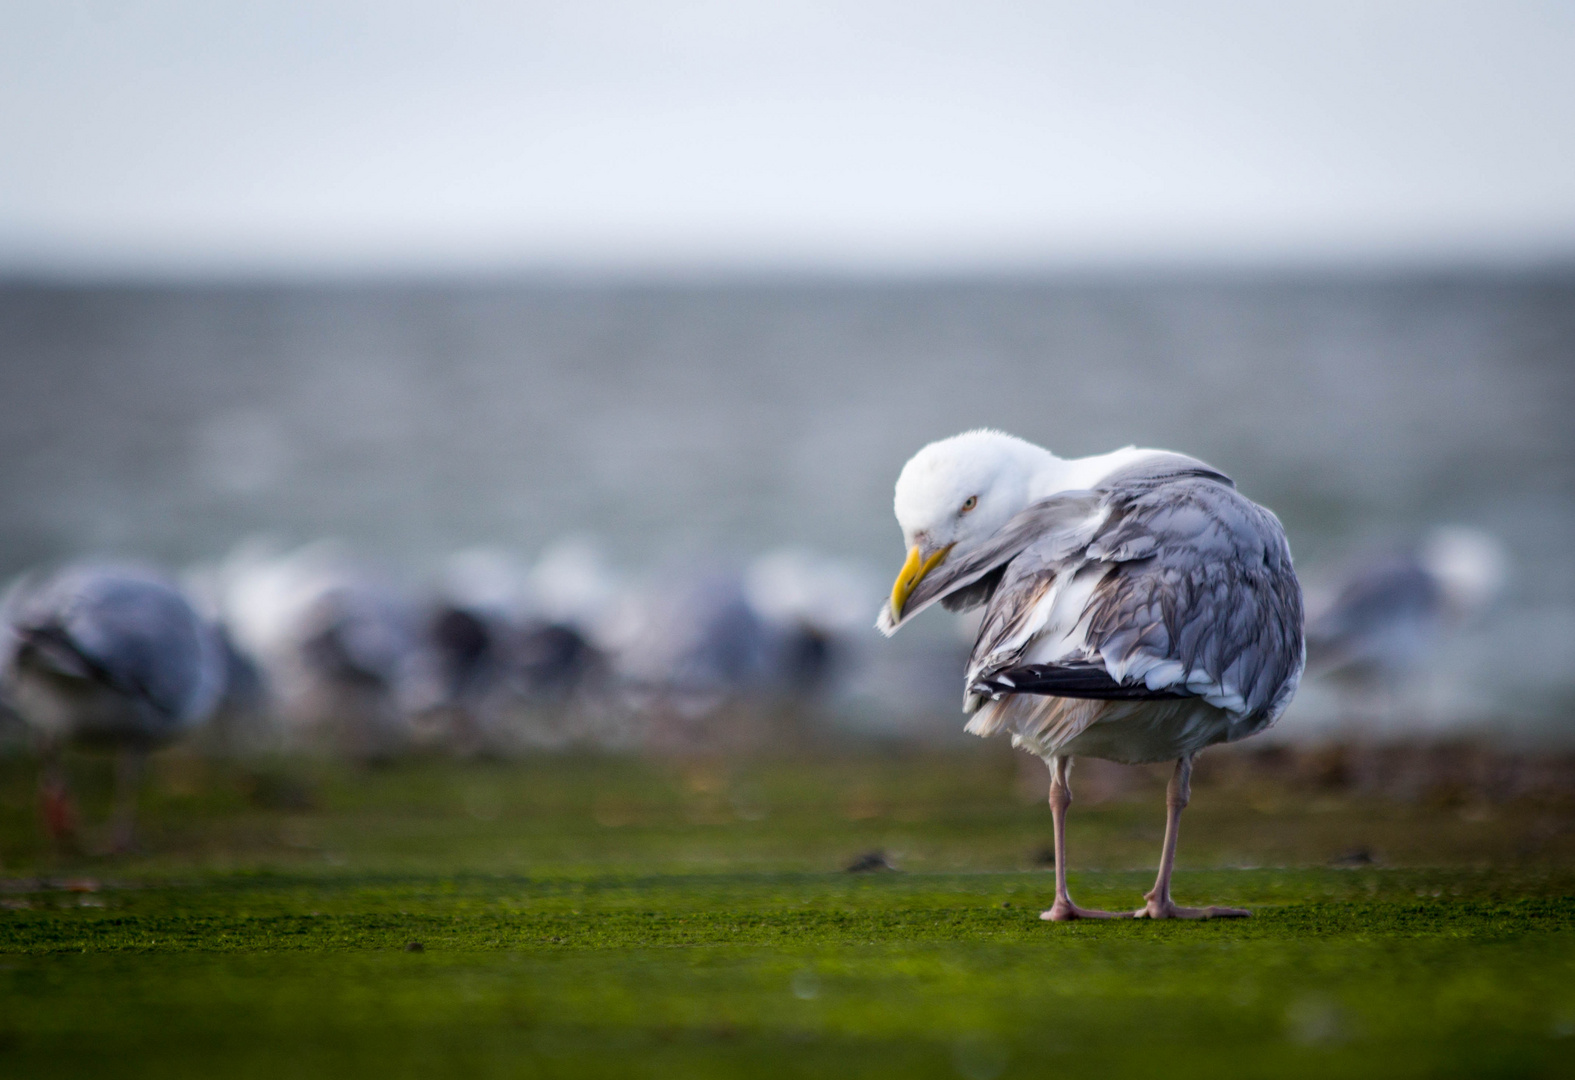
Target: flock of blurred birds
272,648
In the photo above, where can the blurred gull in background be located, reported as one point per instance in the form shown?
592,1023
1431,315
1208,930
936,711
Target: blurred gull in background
706,639
506,650
106,655
459,684
337,643
459,672
577,600
1383,621
691,641
500,655
574,585
816,608
486,581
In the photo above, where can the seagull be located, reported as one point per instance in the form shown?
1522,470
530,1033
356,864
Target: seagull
335,642
694,641
713,632
458,673
1137,609
812,605
1389,611
107,655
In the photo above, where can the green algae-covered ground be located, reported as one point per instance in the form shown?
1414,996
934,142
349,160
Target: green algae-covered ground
613,916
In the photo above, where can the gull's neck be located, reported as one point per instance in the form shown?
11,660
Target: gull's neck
1055,474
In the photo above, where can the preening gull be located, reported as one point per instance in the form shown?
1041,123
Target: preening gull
111,656
1137,608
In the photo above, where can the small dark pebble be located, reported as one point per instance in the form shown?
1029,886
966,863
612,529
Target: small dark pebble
1006,905
1355,857
415,946
870,860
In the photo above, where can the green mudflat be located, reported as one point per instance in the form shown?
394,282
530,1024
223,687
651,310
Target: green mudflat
612,916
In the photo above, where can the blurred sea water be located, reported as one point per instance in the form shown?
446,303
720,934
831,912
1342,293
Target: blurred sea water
170,422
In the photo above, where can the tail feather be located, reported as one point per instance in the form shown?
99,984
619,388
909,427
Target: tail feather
1036,722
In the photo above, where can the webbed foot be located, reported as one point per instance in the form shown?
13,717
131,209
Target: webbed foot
1066,911
1156,909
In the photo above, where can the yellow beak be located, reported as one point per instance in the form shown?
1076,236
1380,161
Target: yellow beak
912,573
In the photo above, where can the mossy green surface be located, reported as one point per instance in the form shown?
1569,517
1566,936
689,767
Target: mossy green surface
618,917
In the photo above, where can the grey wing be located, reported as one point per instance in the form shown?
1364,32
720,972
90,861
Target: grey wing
1161,466
1186,590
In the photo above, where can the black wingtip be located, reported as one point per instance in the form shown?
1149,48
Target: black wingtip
1077,680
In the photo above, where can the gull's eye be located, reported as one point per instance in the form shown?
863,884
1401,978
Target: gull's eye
969,503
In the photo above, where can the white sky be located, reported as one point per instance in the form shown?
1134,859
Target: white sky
391,134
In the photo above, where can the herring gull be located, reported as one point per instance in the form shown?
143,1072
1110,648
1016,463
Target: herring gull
1389,610
336,641
107,655
1137,609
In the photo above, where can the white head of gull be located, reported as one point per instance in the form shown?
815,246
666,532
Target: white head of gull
1137,608
1470,566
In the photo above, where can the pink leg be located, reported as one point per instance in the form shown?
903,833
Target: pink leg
1063,909
58,809
1160,906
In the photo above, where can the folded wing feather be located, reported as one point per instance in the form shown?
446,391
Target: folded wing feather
1184,588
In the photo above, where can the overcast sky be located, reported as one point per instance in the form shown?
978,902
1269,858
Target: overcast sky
389,134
